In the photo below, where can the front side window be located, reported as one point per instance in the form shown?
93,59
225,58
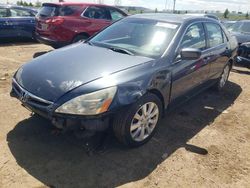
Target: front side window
214,33
142,37
96,13
194,37
20,13
3,13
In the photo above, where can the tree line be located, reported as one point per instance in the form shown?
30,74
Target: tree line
26,4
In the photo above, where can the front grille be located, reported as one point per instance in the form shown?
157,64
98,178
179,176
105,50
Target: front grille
27,97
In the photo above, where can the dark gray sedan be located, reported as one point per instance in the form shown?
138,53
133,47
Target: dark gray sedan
127,75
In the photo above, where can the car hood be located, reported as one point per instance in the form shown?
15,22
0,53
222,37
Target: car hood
53,74
241,37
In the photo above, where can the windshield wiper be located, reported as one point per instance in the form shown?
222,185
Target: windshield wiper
121,50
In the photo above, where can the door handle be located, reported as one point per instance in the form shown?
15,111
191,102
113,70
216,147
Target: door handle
193,67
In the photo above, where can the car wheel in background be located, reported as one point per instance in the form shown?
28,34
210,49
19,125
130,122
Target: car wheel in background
138,123
80,38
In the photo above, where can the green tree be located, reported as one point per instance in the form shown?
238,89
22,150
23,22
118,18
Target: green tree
25,4
225,15
38,4
247,15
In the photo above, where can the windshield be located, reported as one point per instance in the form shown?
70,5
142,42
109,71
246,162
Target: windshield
141,37
241,27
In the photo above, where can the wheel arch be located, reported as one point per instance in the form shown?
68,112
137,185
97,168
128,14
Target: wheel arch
160,96
80,34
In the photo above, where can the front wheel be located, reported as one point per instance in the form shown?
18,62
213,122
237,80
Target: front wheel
138,123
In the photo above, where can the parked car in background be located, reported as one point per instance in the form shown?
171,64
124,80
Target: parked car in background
228,24
127,74
60,24
16,21
241,30
243,57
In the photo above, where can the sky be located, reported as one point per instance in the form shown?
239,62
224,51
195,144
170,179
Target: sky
221,5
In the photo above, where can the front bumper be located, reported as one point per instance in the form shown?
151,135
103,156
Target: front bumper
46,109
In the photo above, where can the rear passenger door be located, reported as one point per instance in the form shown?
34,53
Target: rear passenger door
98,18
217,48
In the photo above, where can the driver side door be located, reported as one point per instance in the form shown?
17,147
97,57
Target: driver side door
187,74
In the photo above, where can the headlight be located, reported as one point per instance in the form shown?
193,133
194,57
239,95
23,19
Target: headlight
89,104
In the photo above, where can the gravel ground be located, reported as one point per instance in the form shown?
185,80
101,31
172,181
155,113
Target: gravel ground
203,143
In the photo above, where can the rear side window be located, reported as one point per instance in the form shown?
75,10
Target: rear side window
68,10
3,12
20,13
194,37
214,33
48,11
96,13
54,10
115,14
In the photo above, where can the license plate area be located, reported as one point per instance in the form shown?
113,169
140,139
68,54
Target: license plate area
44,27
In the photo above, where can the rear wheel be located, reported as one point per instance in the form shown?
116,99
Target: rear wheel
138,124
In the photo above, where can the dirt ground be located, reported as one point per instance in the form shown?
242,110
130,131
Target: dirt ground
203,143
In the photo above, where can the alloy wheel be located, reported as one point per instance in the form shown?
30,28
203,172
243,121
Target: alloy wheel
144,121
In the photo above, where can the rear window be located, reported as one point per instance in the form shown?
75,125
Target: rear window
54,10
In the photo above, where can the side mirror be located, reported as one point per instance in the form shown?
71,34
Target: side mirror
190,54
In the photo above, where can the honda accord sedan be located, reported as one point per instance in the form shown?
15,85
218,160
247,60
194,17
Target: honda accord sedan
127,75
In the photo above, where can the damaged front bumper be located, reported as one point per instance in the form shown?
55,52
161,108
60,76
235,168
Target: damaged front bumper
46,109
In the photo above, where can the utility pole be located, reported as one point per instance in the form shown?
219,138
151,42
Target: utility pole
166,5
174,6
118,2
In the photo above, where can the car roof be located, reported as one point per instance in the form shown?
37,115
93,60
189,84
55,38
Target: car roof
243,21
178,18
76,3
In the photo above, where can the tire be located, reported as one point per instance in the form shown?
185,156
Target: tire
223,78
79,38
125,124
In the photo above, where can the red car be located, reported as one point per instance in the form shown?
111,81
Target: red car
60,24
